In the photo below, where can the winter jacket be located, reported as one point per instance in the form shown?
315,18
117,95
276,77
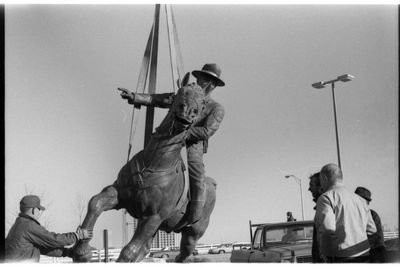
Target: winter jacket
27,239
343,220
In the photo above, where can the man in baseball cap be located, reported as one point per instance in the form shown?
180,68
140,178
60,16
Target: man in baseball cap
27,239
30,201
377,252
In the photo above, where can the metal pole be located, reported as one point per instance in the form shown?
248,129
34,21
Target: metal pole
105,237
302,203
336,128
298,180
153,76
251,235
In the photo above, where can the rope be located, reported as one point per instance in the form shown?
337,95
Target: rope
141,84
177,48
150,57
153,77
171,52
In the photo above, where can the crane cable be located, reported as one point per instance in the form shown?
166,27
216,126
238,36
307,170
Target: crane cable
142,80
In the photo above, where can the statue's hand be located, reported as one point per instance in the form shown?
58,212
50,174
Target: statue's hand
126,94
83,233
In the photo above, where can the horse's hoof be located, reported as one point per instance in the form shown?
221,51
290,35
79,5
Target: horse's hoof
181,259
82,253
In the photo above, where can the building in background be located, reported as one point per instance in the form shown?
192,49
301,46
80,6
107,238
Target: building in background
161,240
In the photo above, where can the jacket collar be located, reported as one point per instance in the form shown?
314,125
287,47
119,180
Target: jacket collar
28,217
335,186
207,98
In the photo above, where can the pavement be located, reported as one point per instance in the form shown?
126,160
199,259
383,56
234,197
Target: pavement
208,258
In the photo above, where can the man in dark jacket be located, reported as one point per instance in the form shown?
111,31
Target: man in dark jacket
208,78
316,190
377,251
27,239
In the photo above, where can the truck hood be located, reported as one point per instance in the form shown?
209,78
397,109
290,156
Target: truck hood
297,249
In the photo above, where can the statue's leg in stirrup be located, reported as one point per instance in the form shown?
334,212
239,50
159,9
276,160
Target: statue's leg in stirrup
196,178
107,199
190,236
140,243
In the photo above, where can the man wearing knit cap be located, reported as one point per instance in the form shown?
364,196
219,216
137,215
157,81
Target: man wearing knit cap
27,239
377,252
208,78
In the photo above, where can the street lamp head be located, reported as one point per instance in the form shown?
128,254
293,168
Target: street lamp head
345,77
318,85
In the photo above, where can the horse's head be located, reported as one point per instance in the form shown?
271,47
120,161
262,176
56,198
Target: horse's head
188,103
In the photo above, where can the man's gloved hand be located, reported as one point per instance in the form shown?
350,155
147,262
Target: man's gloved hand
83,233
126,94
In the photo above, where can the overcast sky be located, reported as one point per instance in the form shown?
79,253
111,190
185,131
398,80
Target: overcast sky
67,128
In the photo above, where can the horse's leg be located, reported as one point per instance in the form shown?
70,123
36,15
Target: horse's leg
145,248
107,199
190,236
140,243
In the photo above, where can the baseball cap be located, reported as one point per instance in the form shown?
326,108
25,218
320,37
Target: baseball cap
31,201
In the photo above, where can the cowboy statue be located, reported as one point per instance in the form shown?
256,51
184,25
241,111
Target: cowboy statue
197,139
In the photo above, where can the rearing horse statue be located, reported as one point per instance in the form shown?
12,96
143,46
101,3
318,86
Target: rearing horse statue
152,187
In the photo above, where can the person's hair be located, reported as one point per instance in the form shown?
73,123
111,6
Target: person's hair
332,172
315,176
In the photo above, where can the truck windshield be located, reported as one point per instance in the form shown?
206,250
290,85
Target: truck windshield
257,239
289,234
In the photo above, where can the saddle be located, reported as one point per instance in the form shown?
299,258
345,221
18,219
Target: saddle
142,177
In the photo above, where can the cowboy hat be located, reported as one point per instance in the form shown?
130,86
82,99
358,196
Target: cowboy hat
211,70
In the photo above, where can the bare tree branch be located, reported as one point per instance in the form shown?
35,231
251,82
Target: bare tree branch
80,207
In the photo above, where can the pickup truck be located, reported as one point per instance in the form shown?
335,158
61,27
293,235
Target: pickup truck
278,242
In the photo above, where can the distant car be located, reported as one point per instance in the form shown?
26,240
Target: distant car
278,242
203,249
167,252
242,245
224,248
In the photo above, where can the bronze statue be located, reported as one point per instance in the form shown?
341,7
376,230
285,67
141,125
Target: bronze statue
207,124
153,189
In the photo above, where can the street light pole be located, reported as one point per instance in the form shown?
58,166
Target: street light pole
336,127
320,85
298,180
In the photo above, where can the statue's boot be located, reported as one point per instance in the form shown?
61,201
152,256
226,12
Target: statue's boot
197,186
195,211
192,216
198,196
196,204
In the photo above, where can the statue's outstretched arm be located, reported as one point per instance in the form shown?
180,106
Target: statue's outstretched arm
157,100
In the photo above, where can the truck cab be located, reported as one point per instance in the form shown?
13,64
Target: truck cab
278,242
